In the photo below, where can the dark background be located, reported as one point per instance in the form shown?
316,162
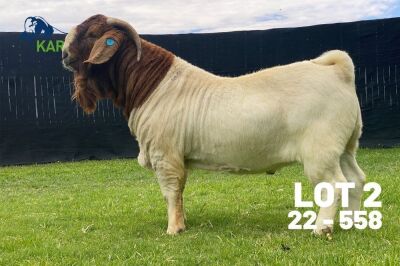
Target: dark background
39,123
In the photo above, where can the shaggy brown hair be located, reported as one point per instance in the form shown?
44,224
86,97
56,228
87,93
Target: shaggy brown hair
103,71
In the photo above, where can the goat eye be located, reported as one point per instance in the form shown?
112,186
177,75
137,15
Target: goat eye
110,42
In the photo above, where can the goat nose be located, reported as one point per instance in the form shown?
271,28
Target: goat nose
64,54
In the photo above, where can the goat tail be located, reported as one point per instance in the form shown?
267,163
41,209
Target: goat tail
341,60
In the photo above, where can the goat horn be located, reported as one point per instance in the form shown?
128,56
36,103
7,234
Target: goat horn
130,30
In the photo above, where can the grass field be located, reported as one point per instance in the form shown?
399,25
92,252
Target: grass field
112,212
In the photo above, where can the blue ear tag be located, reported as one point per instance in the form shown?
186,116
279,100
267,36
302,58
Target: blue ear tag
110,42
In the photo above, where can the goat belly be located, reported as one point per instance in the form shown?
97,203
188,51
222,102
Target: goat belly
240,157
243,144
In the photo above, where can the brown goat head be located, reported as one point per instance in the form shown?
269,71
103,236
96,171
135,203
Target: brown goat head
105,55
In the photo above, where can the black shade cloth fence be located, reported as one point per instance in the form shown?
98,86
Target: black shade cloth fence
39,123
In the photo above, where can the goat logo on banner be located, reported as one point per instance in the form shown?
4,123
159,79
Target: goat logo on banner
37,29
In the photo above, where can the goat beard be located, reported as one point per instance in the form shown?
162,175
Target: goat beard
85,94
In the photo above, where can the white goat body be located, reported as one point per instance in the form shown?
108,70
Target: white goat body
304,112
253,122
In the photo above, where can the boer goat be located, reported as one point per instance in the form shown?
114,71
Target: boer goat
184,117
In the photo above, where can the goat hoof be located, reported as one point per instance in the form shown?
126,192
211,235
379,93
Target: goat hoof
326,231
175,230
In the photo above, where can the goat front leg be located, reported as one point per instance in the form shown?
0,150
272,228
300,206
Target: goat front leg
172,183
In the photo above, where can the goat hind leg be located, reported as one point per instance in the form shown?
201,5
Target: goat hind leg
353,173
326,215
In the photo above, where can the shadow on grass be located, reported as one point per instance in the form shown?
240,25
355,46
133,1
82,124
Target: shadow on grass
225,220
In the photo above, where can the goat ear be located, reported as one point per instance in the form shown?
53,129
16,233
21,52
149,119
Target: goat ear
105,47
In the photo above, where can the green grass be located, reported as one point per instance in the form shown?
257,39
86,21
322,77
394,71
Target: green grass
112,212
